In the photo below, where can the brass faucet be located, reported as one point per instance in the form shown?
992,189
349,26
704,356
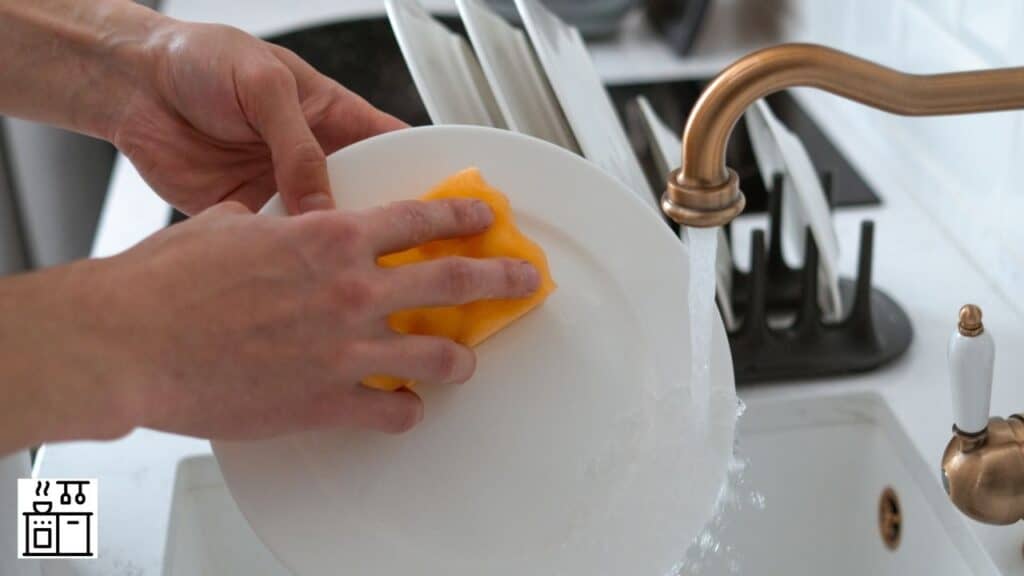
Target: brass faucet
705,193
983,466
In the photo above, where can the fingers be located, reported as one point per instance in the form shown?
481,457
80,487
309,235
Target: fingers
453,281
411,223
270,99
391,412
429,359
425,359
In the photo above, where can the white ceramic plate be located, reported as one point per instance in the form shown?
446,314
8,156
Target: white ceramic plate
443,67
574,450
583,98
523,93
668,151
803,201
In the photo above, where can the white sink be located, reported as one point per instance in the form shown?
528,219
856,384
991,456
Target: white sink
820,465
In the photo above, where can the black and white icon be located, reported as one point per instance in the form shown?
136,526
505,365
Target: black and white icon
57,518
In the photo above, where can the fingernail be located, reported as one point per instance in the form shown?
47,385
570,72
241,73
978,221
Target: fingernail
531,277
312,202
482,213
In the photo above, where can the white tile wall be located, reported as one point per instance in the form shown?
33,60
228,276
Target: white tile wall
966,171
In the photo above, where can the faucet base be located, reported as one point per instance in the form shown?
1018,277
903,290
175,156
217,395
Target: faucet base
984,472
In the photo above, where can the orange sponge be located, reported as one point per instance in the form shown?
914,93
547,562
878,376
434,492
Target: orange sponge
472,323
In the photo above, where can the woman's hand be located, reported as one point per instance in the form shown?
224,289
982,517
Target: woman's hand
234,325
219,115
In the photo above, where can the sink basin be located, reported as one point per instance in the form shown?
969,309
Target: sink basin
820,466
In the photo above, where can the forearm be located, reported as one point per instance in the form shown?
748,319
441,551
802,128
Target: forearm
72,63
57,368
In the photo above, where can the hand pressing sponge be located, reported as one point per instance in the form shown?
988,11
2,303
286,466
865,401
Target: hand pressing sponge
472,323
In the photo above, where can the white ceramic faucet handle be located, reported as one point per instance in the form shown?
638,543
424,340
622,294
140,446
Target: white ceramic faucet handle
971,357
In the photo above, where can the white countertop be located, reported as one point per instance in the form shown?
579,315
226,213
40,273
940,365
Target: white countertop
915,261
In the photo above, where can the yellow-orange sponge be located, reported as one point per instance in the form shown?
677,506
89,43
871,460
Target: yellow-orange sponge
472,323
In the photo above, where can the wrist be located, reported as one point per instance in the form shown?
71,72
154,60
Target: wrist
125,51
61,377
74,64
107,376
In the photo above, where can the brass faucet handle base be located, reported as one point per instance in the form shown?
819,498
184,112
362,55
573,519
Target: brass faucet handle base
701,205
984,479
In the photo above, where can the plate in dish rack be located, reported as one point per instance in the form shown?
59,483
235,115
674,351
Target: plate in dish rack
575,449
520,87
443,67
584,100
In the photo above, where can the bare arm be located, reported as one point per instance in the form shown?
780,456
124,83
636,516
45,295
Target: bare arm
71,63
233,325
51,385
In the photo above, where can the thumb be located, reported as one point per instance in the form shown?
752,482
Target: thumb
300,167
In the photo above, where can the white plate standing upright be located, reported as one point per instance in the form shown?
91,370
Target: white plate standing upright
577,447
668,151
443,67
803,201
510,65
584,100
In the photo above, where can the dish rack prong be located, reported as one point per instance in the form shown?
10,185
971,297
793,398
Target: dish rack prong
808,317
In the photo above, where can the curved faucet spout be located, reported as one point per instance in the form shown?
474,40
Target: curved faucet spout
704,192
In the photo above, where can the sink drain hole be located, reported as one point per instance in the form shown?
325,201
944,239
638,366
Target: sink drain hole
890,518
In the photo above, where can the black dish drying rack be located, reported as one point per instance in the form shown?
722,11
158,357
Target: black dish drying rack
873,331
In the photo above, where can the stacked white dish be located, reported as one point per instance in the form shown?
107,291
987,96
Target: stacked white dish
520,85
590,17
444,68
562,100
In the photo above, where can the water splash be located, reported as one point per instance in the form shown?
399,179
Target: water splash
710,552
703,248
